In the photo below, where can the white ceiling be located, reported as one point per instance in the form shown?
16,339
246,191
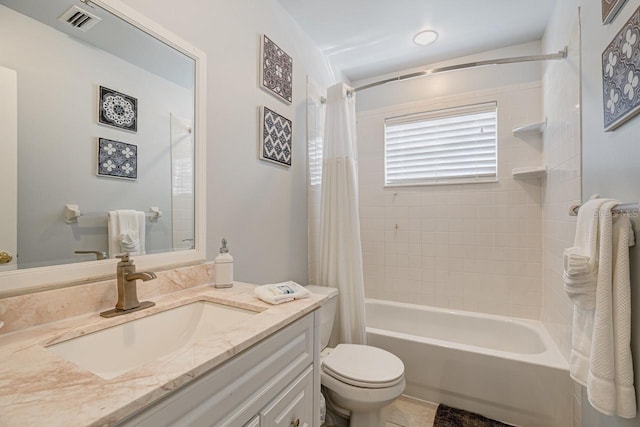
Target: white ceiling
366,38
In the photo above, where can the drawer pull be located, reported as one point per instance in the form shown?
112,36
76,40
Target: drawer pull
5,257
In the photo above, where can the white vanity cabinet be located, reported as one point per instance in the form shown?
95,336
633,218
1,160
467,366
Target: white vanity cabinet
294,407
276,382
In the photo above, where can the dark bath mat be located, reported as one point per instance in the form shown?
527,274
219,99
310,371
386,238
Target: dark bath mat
452,417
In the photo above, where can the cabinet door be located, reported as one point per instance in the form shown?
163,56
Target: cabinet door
294,406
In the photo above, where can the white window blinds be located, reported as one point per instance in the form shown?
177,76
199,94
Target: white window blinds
315,160
441,147
315,136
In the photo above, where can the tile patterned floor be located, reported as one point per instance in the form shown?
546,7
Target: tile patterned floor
410,412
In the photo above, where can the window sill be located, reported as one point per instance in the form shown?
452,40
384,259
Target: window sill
444,182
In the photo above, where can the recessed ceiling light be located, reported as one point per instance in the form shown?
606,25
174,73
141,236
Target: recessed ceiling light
425,38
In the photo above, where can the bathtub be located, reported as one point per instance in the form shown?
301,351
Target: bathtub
504,368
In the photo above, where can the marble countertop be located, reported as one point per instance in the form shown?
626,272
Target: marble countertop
40,388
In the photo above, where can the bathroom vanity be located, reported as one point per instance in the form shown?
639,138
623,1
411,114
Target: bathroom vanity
199,356
261,371
270,384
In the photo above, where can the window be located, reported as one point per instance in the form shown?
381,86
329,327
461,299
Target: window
315,136
315,159
442,147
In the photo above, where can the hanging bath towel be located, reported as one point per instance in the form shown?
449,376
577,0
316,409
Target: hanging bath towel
610,387
126,229
580,279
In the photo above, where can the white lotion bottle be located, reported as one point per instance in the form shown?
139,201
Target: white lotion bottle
224,267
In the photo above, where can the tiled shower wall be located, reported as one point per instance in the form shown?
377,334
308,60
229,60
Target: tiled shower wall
475,247
562,155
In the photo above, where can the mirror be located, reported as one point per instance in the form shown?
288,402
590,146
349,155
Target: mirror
101,116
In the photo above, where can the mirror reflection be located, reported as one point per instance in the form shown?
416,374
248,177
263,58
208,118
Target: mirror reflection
97,136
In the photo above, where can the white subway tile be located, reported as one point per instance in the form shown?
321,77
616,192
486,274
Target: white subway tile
470,246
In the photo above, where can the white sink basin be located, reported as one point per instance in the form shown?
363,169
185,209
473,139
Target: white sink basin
116,350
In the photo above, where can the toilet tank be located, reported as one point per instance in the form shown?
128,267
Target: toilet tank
327,312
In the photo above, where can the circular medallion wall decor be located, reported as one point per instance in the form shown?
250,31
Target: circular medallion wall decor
118,110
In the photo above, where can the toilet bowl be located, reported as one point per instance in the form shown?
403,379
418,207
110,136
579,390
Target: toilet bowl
362,380
358,380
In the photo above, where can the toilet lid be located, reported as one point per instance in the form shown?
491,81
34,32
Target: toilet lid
363,366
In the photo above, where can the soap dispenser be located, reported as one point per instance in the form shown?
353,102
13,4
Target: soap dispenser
224,267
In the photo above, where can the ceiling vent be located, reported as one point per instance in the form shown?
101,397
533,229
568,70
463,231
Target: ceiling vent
79,18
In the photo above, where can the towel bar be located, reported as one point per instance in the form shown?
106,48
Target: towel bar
630,209
72,213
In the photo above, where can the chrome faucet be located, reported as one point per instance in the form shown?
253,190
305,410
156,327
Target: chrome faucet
127,292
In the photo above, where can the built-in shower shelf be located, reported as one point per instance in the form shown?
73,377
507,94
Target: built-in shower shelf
530,128
529,172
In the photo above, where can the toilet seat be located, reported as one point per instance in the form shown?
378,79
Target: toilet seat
363,366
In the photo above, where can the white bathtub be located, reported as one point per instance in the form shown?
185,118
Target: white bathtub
504,368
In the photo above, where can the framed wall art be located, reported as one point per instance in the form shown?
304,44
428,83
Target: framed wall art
610,9
275,137
117,159
276,70
621,75
118,110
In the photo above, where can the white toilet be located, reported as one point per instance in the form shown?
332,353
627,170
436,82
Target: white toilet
360,379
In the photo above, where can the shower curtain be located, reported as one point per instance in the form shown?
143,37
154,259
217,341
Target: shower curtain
340,247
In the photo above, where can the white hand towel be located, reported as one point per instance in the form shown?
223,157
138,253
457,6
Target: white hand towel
575,264
580,261
580,279
278,293
610,379
126,229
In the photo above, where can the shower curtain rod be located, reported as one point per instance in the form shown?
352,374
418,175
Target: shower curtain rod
551,56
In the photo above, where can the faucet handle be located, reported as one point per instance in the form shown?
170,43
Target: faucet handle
124,258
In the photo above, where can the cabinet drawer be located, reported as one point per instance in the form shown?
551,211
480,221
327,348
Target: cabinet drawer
232,393
293,407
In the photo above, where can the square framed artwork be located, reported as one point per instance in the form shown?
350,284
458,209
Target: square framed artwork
610,9
117,110
275,137
621,75
276,70
117,159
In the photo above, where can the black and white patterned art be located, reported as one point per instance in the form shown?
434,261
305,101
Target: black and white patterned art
117,159
276,70
276,136
118,110
621,75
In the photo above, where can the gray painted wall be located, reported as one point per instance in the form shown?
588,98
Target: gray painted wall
260,207
610,164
